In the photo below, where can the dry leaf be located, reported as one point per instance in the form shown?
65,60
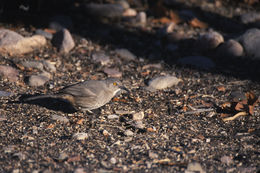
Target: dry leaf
80,122
239,106
221,88
198,24
51,126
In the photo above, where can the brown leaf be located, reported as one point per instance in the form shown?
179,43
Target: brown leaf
51,31
80,122
252,99
196,23
239,106
51,126
221,88
174,17
149,129
251,109
222,115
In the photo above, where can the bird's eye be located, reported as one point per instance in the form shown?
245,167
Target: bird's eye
115,84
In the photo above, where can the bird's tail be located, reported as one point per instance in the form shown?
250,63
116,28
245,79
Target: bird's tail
41,97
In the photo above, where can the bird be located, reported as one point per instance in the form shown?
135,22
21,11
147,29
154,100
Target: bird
87,95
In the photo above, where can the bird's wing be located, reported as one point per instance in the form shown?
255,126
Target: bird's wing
85,89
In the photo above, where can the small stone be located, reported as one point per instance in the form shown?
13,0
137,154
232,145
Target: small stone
124,112
250,40
153,155
101,58
112,72
194,167
141,18
80,170
226,160
230,48
80,136
197,61
138,116
4,94
32,64
16,171
113,160
162,82
9,72
113,116
60,22
210,40
60,118
158,66
37,80
129,133
63,156
129,13
41,32
125,54
63,41
139,125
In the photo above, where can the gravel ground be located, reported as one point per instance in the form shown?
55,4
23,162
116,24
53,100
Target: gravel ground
182,124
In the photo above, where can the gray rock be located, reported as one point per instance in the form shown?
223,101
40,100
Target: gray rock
9,72
194,167
129,133
60,118
197,61
32,64
61,22
113,116
104,10
210,40
125,54
4,93
112,72
162,82
38,80
100,57
230,48
8,37
80,136
250,40
63,41
44,33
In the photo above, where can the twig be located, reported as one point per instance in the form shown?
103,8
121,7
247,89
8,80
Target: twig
235,116
199,111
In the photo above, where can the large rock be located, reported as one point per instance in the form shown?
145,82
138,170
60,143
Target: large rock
9,72
230,48
14,44
63,41
250,40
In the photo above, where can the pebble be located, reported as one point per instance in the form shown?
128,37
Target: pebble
4,93
250,40
13,43
41,32
100,57
226,160
32,64
60,22
113,160
129,133
251,17
113,72
104,10
138,116
153,155
80,170
139,125
141,18
9,72
60,118
80,136
113,116
209,40
197,61
63,41
129,13
162,82
38,80
125,54
158,66
230,48
194,167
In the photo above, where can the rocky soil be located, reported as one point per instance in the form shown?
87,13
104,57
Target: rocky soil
191,68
